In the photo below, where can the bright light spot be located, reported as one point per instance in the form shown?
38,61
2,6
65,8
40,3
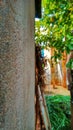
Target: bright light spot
37,19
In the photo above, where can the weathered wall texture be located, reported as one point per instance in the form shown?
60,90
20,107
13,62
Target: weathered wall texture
17,65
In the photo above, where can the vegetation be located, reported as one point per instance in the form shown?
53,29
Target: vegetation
55,28
59,111
70,64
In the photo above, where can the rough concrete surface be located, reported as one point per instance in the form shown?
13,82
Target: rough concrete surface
17,65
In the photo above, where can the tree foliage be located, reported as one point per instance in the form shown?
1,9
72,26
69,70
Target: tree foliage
55,28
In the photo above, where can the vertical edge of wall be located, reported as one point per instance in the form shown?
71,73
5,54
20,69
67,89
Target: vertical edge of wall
17,65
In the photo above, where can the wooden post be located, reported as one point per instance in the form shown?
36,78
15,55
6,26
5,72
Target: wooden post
64,60
17,65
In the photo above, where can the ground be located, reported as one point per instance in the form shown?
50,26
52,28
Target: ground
57,90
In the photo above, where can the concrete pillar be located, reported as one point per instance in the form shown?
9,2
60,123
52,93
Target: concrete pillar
17,69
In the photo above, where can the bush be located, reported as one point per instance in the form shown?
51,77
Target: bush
59,111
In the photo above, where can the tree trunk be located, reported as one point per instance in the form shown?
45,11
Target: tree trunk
17,77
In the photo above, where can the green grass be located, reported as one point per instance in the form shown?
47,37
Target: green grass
59,111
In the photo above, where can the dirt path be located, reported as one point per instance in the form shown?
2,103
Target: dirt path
58,90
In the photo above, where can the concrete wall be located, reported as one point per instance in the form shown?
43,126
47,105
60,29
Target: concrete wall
17,69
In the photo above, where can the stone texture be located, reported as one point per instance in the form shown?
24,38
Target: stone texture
17,75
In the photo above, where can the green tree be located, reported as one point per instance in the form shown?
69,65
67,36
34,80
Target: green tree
57,26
